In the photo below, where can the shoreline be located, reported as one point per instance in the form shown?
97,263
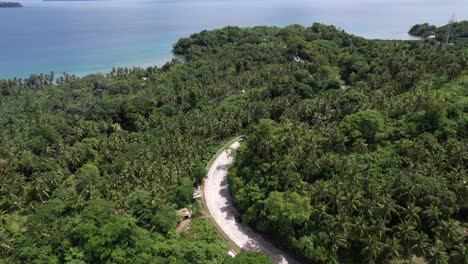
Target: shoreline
158,62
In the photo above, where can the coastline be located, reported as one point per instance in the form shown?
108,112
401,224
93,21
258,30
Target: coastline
95,36
155,62
158,60
94,69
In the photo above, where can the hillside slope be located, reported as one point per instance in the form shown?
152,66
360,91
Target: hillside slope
94,169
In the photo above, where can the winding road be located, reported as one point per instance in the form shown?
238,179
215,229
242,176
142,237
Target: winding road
222,210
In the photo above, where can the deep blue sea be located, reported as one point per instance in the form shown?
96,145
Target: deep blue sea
85,37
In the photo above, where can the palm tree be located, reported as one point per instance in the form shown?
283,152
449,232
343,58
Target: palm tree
387,206
380,229
335,241
290,174
320,213
454,70
459,254
360,227
411,213
391,248
40,187
405,232
6,247
448,231
432,214
422,245
372,250
437,255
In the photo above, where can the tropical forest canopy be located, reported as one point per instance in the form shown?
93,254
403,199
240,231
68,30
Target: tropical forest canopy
355,150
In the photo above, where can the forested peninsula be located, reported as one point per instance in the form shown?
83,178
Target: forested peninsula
9,4
458,32
354,151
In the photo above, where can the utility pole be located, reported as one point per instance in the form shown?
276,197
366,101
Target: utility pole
449,31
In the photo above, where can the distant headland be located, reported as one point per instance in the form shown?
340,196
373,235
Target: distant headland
10,4
456,32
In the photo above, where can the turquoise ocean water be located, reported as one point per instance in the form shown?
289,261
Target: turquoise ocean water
85,37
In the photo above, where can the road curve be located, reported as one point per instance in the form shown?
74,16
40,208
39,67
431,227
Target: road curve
222,210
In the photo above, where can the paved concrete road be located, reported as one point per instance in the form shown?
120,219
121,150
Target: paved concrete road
222,210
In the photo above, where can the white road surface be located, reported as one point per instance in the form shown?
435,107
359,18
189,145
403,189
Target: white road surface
221,207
